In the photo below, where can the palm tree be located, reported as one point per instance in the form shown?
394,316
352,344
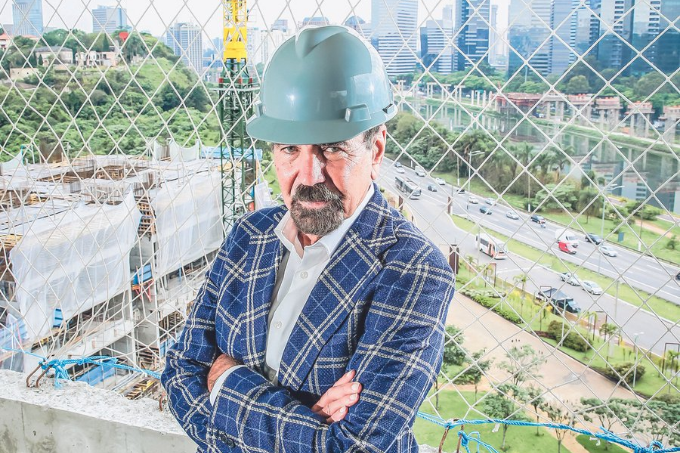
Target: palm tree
608,330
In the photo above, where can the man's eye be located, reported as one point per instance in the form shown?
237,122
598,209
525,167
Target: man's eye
332,150
288,149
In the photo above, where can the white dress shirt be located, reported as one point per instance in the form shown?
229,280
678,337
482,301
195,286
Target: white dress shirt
298,273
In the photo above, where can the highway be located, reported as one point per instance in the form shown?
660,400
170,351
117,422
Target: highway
640,272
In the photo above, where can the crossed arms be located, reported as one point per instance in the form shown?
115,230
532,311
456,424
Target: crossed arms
396,360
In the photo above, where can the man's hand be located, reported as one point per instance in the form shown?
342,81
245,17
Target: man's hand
333,404
222,364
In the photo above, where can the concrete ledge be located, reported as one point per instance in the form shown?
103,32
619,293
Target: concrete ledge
81,419
78,418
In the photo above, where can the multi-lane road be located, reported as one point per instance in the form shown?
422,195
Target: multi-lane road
638,271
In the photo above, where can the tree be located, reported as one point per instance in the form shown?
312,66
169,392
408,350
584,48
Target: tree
522,364
587,202
473,374
608,413
578,85
534,397
559,414
499,405
608,330
672,242
454,355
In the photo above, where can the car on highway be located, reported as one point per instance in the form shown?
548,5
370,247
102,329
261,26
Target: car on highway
570,278
560,301
490,201
538,219
485,210
431,187
677,276
397,164
566,247
594,238
512,215
400,170
609,251
439,181
591,287
420,171
473,200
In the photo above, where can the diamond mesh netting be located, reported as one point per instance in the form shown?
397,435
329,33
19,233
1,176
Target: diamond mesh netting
536,144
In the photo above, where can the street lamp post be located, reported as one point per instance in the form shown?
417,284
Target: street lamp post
635,364
473,153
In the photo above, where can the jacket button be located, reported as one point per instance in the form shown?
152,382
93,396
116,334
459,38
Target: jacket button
230,443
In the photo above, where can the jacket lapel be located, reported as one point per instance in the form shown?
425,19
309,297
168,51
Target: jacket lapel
265,262
341,285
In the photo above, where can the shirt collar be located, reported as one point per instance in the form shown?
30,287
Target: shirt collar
287,231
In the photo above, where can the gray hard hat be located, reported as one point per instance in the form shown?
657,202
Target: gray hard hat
324,85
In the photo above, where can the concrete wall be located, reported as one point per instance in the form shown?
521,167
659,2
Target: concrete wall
82,419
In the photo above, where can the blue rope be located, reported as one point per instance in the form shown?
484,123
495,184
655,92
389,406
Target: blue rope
608,436
59,365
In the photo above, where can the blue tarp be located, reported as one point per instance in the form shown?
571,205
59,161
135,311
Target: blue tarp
214,152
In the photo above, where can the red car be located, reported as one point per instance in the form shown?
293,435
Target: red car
566,247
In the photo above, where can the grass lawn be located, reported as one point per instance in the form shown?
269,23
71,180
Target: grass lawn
633,296
455,405
592,447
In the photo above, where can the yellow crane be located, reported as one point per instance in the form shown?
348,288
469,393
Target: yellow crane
236,90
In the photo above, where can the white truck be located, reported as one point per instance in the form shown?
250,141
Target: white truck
564,235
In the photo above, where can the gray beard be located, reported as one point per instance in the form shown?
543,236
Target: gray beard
317,222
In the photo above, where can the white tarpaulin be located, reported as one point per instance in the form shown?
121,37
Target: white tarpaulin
188,220
181,154
73,261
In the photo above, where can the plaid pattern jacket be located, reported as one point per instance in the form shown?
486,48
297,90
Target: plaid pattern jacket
378,308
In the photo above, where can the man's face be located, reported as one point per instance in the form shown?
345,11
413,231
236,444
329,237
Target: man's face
323,184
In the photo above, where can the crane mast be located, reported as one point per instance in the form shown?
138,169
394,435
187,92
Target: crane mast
236,88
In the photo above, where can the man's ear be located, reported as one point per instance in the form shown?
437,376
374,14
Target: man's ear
378,151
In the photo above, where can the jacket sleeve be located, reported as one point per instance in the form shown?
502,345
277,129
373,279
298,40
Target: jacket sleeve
397,359
189,360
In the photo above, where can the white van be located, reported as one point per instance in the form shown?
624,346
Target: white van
564,235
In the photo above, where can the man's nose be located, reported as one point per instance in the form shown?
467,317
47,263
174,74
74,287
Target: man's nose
311,166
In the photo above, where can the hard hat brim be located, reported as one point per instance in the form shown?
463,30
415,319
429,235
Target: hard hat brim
285,132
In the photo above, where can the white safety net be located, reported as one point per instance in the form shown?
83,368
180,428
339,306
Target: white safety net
536,145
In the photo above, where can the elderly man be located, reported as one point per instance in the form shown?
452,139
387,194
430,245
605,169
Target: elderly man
320,327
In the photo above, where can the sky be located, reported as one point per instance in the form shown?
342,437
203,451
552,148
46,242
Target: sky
156,16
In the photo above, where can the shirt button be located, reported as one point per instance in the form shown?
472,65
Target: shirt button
303,274
278,324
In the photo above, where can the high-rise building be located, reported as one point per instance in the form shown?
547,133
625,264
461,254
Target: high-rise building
529,34
436,45
646,23
497,46
28,17
359,25
186,41
563,20
394,34
612,25
280,25
472,26
668,44
543,33
316,21
108,19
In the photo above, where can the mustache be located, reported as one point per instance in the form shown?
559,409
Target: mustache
317,192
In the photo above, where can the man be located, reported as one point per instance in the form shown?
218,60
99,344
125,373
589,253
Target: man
321,326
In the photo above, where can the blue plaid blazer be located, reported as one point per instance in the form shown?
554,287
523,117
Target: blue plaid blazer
378,308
